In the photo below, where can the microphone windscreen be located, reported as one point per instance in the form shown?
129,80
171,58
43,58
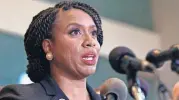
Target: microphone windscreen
116,55
152,57
175,92
114,86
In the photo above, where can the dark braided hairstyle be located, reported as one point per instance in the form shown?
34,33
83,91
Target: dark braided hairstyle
41,28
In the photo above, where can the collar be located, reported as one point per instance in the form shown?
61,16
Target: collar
92,93
52,89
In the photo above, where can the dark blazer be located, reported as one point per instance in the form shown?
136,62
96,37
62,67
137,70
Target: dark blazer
47,89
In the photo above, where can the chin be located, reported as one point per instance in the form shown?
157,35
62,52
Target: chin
91,70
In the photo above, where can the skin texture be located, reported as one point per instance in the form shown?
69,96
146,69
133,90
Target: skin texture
74,34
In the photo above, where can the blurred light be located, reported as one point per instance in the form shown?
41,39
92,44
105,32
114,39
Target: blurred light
24,79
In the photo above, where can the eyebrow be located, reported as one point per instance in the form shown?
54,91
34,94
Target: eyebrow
79,25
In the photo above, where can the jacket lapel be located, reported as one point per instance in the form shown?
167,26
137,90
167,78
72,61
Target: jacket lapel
51,88
92,93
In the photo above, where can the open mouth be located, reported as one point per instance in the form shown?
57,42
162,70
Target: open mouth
89,58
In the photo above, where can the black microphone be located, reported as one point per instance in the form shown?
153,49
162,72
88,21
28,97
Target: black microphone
113,89
123,61
158,57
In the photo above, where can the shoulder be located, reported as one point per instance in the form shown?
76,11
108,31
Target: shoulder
20,92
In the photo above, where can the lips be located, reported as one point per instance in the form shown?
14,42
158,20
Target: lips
89,58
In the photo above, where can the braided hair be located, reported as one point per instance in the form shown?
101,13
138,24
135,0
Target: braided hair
41,28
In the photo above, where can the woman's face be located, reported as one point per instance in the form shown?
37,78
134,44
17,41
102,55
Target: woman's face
74,45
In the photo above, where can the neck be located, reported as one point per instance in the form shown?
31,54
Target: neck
74,89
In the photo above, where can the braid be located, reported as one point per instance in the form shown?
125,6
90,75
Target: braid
38,30
41,28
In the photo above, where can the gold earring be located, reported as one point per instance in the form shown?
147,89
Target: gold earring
49,56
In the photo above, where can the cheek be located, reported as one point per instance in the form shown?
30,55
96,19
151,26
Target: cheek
67,49
74,50
98,47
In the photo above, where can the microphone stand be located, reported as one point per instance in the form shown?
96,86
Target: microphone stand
162,89
134,86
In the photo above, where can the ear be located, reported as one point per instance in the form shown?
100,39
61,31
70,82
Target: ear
47,45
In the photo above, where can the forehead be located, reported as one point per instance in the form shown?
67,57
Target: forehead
74,16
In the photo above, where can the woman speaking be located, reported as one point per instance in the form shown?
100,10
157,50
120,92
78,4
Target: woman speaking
62,45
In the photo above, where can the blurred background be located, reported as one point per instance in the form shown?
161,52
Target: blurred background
141,25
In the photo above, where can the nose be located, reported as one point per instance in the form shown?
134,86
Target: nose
89,41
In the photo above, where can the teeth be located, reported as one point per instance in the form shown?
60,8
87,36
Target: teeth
91,55
88,58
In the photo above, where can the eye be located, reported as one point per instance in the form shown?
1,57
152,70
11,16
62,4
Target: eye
94,33
75,32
